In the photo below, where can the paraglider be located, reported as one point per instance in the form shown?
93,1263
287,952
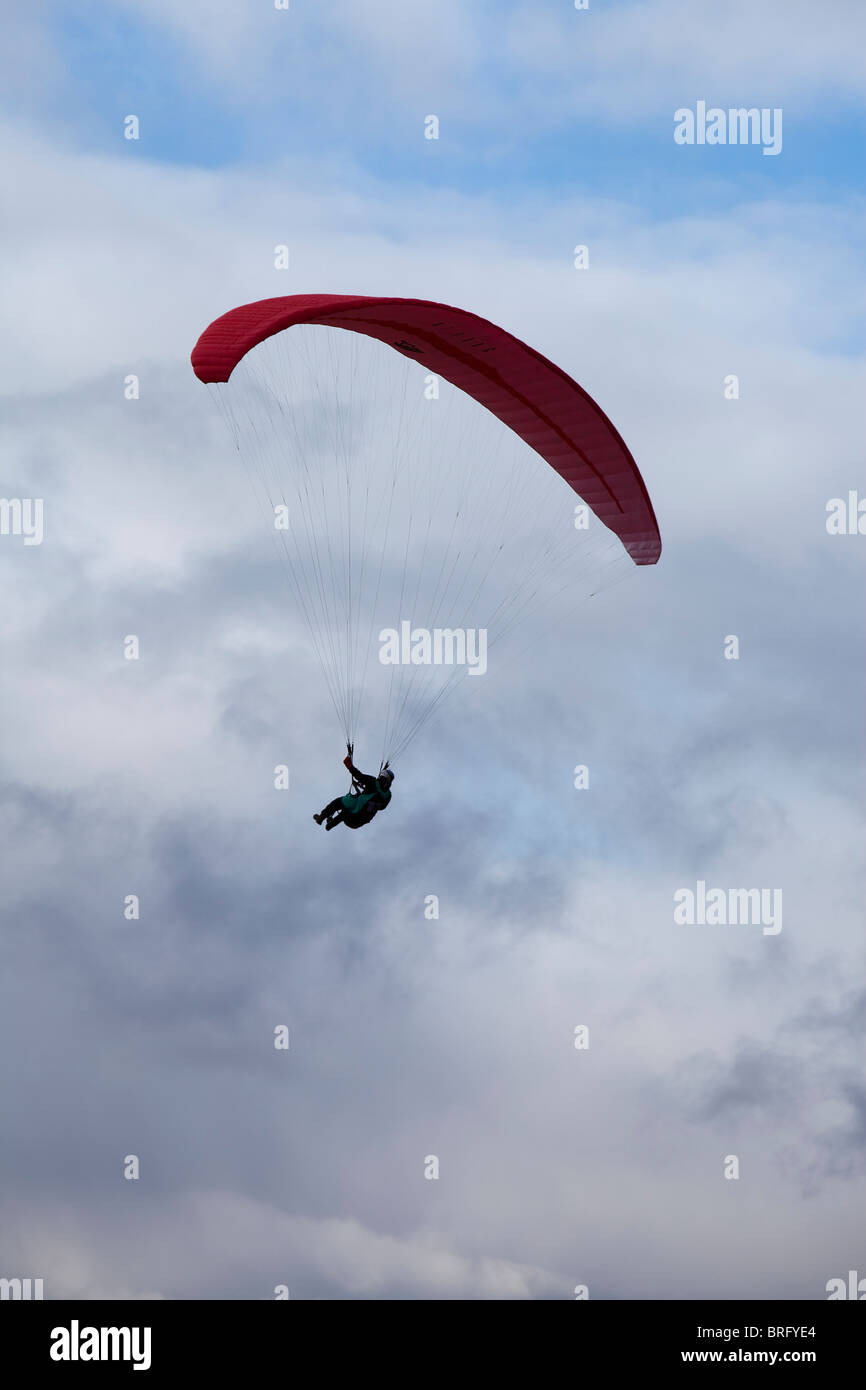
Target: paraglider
416,462
369,796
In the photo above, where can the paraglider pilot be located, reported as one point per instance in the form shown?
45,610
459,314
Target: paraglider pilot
369,796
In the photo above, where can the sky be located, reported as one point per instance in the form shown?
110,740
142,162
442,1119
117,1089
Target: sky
432,1131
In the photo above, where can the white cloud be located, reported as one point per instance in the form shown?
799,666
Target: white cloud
557,910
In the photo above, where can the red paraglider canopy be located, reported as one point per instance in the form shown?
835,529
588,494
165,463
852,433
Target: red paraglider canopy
528,393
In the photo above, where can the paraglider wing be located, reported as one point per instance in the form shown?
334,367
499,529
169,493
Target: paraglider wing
529,394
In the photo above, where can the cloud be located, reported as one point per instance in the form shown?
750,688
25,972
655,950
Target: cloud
412,1036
